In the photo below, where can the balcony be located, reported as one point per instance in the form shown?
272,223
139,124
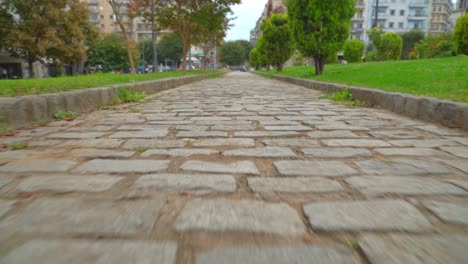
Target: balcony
360,5
382,3
357,18
417,17
357,30
415,3
93,2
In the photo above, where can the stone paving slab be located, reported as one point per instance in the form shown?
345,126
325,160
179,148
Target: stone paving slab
355,143
223,215
451,213
459,164
291,142
422,143
147,133
185,152
375,215
122,166
461,184
409,152
37,165
265,152
332,134
194,183
5,181
314,168
415,249
240,167
396,134
265,133
85,216
461,140
68,183
91,252
101,153
409,185
92,143
76,135
153,143
219,142
461,152
401,167
293,185
201,134
343,152
5,206
299,254
287,128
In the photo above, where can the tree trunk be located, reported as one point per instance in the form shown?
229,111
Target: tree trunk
186,45
30,68
279,67
130,56
319,64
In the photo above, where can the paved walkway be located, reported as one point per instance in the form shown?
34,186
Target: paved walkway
239,169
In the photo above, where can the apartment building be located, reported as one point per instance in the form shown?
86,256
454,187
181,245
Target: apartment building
399,16
271,6
461,8
102,15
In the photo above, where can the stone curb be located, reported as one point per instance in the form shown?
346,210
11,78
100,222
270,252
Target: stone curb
447,113
25,110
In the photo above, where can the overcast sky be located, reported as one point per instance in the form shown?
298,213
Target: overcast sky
247,14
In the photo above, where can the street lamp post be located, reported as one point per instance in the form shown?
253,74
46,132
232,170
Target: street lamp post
376,12
153,38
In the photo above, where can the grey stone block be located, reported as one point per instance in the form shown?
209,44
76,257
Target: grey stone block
293,185
122,166
375,215
299,254
451,213
92,252
222,215
68,183
415,249
314,168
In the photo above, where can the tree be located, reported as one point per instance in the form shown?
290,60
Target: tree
111,53
320,27
278,44
375,35
390,47
232,53
74,31
460,35
6,23
146,51
410,39
170,47
247,47
192,19
263,56
34,28
254,58
353,50
123,15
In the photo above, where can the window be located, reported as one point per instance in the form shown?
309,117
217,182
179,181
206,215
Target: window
102,25
392,12
102,16
111,16
402,12
400,25
390,25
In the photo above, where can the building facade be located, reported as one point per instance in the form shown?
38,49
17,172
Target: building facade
399,16
271,7
103,17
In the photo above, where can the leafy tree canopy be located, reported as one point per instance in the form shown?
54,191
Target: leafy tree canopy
320,27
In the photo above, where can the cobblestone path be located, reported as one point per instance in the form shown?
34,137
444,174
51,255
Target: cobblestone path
239,169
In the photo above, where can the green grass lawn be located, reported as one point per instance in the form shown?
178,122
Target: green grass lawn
59,84
445,78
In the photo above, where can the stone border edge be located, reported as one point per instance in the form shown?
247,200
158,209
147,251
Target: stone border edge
447,113
26,110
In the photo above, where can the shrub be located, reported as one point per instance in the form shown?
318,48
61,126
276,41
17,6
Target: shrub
129,96
371,56
353,50
435,47
390,47
460,35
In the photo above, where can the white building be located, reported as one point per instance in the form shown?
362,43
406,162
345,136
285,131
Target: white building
399,16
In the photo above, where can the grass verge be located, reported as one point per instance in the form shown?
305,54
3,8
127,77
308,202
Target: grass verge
443,78
59,84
